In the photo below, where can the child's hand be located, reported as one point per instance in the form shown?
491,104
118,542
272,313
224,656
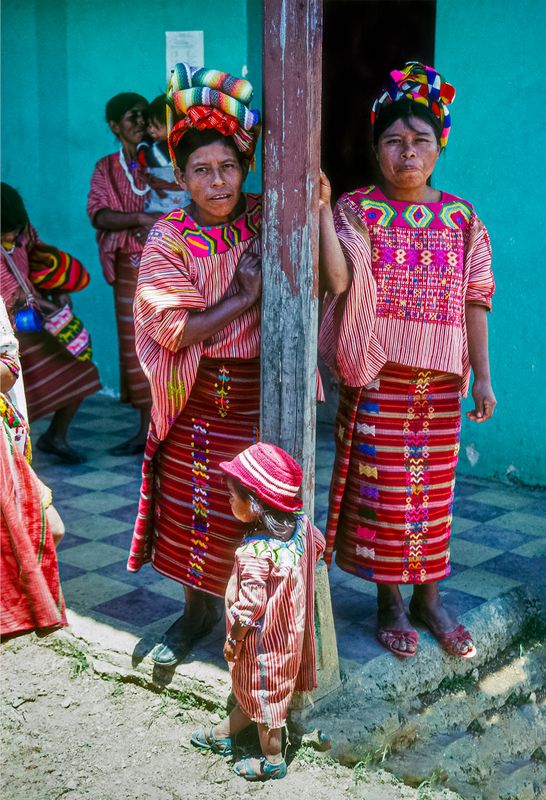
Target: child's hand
233,651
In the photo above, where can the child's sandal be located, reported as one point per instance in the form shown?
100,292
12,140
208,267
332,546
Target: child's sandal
208,741
268,770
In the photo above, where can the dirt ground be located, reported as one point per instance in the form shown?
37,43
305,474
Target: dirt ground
68,733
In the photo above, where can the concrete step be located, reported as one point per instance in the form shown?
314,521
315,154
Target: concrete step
456,719
495,729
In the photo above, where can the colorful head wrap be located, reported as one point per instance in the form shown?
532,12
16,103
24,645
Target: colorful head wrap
208,99
421,84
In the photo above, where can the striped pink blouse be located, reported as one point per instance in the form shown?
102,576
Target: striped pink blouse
271,590
186,268
9,285
414,267
110,189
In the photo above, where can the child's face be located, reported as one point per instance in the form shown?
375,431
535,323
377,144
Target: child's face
157,130
239,508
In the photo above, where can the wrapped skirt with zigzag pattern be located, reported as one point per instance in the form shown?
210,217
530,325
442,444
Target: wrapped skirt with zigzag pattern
391,497
185,525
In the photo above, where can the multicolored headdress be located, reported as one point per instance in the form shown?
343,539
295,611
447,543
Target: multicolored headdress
208,99
421,84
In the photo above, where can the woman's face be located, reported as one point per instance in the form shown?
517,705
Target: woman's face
407,156
214,177
239,508
130,129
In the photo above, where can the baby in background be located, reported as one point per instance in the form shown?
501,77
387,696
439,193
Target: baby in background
270,642
165,194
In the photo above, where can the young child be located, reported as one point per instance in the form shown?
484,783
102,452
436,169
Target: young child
270,643
165,194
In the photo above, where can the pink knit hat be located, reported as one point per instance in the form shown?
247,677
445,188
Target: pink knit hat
270,473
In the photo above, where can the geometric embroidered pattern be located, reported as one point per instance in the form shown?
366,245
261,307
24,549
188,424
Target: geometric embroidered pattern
416,455
424,282
365,552
215,240
448,213
222,389
200,503
455,215
418,216
378,212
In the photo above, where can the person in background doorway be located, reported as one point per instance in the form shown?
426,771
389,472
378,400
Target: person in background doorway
55,380
116,209
197,319
408,272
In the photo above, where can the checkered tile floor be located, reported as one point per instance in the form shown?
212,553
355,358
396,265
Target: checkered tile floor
499,541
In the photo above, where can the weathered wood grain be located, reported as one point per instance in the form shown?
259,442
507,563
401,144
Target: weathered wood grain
292,96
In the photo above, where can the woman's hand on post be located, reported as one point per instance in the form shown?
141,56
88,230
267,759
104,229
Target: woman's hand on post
248,275
325,195
484,401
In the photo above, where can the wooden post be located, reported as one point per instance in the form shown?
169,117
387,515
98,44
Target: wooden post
292,70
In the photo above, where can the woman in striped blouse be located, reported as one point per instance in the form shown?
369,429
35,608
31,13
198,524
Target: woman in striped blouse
410,283
115,207
197,320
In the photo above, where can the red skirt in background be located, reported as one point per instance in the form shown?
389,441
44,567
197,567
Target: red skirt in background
185,524
31,598
391,497
53,378
134,386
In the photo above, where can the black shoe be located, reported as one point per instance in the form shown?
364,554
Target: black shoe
128,448
66,454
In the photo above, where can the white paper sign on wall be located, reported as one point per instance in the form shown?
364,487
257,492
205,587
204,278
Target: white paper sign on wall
186,46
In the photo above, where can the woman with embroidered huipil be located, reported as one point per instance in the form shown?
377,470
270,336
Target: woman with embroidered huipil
197,321
115,207
408,273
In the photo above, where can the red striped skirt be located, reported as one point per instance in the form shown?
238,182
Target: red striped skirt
53,378
31,598
391,497
194,534
134,386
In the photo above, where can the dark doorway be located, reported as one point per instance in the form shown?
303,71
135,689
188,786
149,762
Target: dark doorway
363,41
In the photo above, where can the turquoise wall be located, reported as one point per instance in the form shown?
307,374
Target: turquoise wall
61,61
492,51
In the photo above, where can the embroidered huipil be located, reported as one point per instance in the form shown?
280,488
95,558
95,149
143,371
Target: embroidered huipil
271,590
413,268
110,189
186,268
